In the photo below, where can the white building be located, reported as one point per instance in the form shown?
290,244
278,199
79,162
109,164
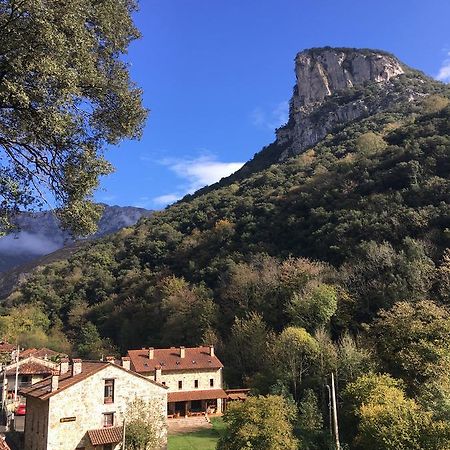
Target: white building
193,377
85,405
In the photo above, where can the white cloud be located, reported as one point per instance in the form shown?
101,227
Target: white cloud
166,199
195,173
444,71
275,118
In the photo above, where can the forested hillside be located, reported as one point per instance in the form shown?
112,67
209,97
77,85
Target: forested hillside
339,255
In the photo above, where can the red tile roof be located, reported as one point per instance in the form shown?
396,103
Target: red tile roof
41,353
196,358
32,368
5,347
42,389
3,444
237,394
103,436
184,396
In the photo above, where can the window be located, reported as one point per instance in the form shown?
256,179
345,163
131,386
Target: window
180,385
196,383
109,391
108,419
211,382
163,383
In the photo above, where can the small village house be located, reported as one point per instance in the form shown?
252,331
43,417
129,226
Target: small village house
29,370
84,406
193,377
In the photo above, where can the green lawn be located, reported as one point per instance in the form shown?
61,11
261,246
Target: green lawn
198,440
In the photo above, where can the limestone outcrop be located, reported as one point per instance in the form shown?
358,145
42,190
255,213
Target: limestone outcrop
322,75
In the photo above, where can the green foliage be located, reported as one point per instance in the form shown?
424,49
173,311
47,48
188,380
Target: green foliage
312,435
145,426
369,143
65,94
189,312
313,307
443,278
295,350
353,359
388,420
260,423
30,327
413,341
249,350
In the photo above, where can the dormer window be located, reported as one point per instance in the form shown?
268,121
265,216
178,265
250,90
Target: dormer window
109,391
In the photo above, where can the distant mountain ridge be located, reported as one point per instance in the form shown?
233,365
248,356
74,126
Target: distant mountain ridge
39,234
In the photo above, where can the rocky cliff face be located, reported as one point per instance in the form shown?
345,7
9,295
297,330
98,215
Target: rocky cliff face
318,104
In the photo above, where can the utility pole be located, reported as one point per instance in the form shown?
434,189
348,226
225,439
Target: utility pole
330,410
17,373
123,435
335,416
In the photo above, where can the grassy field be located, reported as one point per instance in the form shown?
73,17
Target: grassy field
198,440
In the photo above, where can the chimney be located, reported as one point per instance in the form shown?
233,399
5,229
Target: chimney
158,373
76,366
110,359
126,364
151,353
182,352
211,350
55,380
63,366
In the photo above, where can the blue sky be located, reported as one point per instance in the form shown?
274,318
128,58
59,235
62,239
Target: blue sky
218,74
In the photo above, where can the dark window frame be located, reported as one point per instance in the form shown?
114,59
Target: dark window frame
108,393
106,422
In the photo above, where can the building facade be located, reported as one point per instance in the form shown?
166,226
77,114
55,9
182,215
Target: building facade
29,370
84,407
193,377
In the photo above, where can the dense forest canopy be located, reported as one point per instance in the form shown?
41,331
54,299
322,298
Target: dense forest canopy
332,261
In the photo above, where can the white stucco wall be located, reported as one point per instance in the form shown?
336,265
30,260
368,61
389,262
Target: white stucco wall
188,378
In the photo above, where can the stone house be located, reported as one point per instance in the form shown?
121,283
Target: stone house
193,377
84,406
30,370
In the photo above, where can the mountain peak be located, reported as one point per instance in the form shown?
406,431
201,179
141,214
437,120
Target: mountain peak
323,71
336,86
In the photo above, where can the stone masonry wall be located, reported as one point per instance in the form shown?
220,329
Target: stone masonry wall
85,401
